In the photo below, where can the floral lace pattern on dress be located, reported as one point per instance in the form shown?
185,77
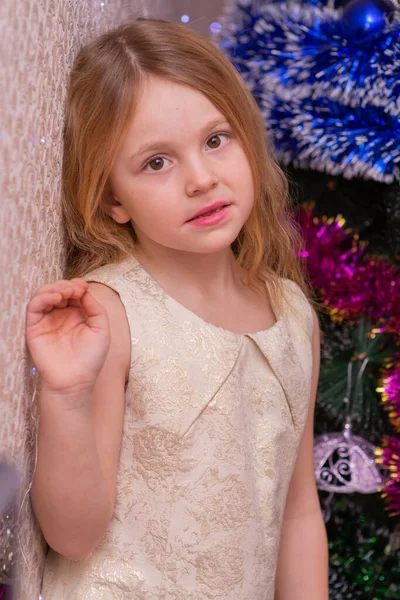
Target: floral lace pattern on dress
212,425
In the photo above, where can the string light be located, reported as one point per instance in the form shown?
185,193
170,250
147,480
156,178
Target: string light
215,27
99,5
185,18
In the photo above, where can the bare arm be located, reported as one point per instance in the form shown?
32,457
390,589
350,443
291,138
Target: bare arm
73,489
303,555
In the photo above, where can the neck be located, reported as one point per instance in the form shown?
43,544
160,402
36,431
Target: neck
207,274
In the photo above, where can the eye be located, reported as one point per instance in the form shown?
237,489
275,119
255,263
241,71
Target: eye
217,140
156,163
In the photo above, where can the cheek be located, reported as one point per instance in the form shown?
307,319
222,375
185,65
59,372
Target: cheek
139,197
243,178
152,206
241,168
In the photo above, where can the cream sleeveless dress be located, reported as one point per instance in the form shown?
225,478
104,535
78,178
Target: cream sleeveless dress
213,420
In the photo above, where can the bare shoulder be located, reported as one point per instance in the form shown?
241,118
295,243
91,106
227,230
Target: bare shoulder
119,353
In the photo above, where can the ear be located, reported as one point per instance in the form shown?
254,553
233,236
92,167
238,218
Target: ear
115,209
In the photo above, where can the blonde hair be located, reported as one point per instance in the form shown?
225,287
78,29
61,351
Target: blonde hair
104,88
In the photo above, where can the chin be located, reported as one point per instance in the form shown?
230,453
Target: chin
213,246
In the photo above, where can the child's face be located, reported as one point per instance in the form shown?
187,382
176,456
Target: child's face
179,156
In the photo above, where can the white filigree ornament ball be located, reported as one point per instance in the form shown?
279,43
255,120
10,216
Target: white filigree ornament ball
344,463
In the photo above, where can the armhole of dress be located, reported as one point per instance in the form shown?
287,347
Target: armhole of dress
95,279
123,301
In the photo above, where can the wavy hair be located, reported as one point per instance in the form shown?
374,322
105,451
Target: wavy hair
104,89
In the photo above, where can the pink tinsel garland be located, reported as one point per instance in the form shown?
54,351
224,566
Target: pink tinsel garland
351,283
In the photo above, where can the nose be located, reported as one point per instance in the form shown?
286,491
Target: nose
200,176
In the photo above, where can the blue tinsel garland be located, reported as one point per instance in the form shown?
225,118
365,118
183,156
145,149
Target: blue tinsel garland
329,103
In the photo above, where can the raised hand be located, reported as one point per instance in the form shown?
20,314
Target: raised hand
68,336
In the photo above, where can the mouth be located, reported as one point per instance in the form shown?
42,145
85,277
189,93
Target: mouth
209,210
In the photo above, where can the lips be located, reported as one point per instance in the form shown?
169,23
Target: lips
209,209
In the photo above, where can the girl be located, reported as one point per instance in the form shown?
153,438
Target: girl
179,359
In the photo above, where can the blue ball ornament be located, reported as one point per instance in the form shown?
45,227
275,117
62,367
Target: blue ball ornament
362,19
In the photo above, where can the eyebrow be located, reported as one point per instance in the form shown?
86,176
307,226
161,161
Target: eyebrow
150,146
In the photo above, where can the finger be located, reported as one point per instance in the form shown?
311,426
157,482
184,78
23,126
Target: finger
80,283
62,304
69,303
66,289
52,287
65,295
79,280
39,305
58,298
75,302
96,314
63,284
70,298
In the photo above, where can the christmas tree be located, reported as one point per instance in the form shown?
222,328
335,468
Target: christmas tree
327,81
